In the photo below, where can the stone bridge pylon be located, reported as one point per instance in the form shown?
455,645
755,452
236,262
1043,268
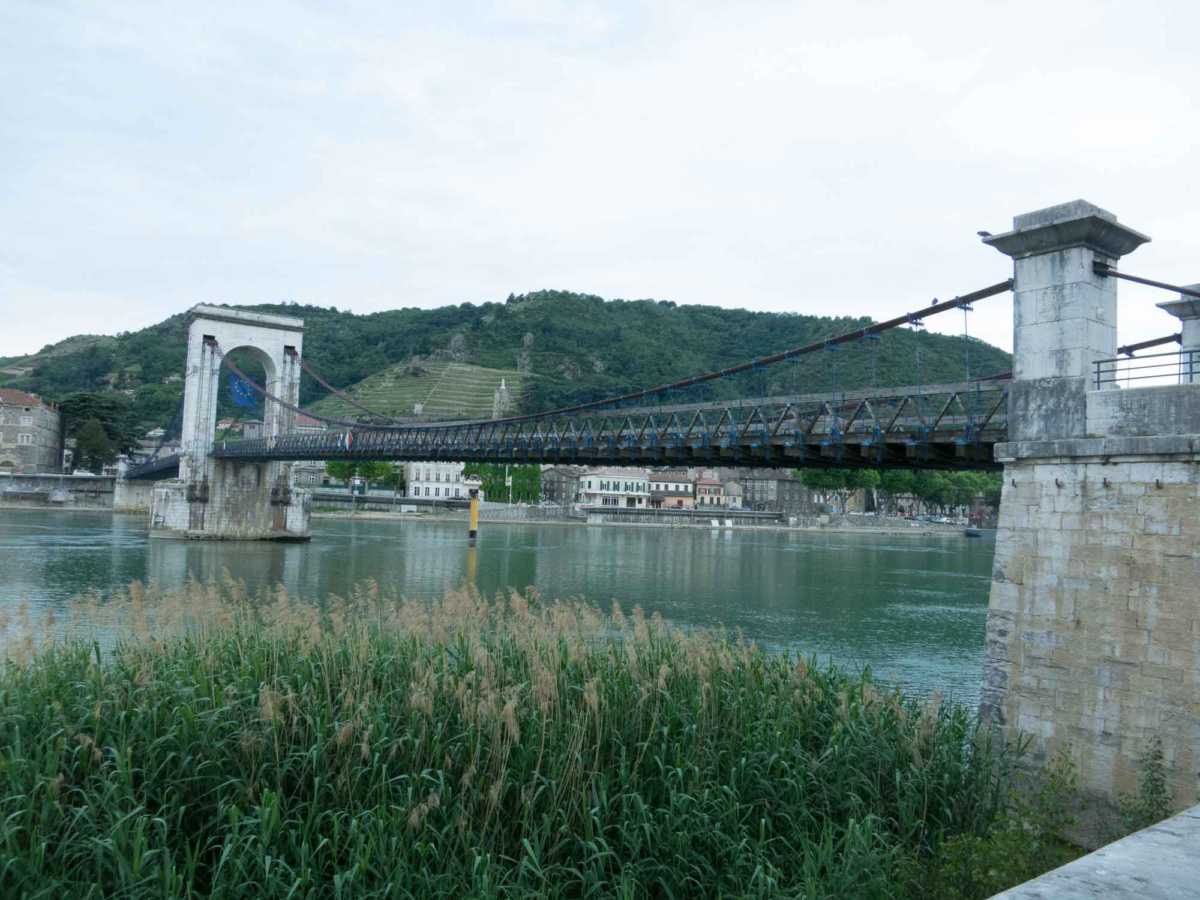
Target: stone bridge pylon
233,499
1093,636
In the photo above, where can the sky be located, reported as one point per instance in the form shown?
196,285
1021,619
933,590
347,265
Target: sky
820,158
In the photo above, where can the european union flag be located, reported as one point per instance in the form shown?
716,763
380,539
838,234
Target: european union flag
240,391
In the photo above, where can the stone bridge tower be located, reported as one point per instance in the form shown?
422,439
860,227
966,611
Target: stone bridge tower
1093,636
229,499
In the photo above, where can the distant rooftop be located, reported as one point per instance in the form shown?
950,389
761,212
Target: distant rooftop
608,472
19,398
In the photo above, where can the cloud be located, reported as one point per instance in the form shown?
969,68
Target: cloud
806,157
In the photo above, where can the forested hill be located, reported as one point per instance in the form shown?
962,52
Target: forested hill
569,346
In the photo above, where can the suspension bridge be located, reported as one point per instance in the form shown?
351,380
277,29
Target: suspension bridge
1092,621
953,425
958,425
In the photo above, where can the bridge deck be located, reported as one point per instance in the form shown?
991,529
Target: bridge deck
952,426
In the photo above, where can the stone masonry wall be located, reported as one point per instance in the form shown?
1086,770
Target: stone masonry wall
239,507
90,491
1093,633
132,496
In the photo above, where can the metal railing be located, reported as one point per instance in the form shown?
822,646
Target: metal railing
1180,367
938,426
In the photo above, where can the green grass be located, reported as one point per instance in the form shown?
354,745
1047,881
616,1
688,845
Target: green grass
369,747
447,390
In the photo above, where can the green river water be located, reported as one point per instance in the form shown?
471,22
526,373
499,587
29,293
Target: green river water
910,606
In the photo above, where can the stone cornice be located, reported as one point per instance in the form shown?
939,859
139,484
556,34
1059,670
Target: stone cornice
1109,239
239,317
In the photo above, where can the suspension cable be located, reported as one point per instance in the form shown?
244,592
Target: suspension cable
289,406
607,402
1130,349
1104,270
342,395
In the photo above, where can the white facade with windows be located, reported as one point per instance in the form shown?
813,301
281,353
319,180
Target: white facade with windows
435,480
626,488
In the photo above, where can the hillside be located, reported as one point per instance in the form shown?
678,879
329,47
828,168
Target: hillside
442,389
557,346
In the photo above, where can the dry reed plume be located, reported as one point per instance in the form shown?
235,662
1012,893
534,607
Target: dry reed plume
367,745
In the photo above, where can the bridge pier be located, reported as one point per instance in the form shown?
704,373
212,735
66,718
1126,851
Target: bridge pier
1093,632
243,501
132,496
222,499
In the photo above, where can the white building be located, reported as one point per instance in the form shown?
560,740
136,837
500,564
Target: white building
305,473
435,480
626,488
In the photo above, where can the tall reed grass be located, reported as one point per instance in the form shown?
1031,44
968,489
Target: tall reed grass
263,747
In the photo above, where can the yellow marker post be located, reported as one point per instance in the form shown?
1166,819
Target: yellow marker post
473,527
472,564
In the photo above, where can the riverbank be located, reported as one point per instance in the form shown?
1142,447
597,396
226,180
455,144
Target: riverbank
372,747
836,525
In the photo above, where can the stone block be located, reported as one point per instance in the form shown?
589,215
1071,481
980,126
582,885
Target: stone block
1005,597
1165,673
1052,270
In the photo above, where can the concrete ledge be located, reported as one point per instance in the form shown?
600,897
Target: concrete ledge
1161,862
1102,448
1168,409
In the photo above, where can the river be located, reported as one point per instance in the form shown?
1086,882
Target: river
910,606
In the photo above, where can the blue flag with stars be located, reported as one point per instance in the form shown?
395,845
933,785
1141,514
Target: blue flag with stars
240,391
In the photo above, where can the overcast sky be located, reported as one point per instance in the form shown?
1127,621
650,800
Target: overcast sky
825,158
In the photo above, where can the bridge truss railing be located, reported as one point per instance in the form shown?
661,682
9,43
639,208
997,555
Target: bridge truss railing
938,426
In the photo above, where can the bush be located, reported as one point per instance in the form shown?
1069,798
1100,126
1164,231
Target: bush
1152,802
1024,841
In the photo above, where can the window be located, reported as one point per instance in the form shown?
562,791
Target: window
26,420
457,492
437,492
426,490
25,439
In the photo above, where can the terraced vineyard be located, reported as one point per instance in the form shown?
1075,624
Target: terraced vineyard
443,390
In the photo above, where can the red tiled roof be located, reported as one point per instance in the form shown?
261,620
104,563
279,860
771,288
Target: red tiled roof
19,398
306,421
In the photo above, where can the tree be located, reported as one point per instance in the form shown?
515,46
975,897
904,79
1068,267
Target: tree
896,483
865,480
111,410
93,449
526,481
395,480
375,470
826,482
341,469
156,404
368,470
993,486
932,488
